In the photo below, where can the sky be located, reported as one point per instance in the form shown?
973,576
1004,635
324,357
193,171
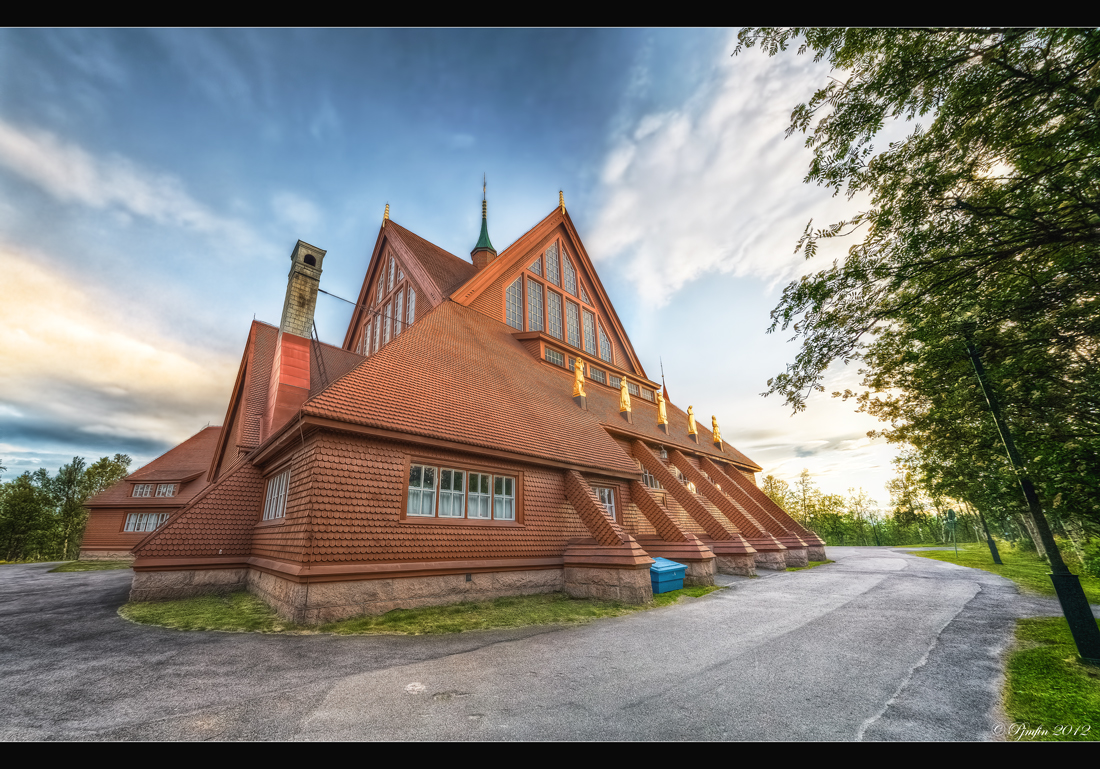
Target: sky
154,183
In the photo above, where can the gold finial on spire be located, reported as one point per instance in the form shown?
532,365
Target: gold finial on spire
662,414
561,201
692,430
716,434
386,215
624,396
578,379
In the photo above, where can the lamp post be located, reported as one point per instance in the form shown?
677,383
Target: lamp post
1068,587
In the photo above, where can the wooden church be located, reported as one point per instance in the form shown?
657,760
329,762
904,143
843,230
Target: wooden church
486,429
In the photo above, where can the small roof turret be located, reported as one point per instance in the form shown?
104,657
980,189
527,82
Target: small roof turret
483,252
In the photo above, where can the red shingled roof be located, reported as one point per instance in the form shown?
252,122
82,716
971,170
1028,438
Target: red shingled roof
447,270
461,376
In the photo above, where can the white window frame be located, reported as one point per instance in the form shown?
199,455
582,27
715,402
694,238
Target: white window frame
649,480
450,494
166,489
142,490
480,503
504,498
275,499
424,489
142,522
606,496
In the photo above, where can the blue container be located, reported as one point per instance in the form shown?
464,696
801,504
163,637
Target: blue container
666,575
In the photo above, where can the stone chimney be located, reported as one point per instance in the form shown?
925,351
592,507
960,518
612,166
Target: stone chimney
289,386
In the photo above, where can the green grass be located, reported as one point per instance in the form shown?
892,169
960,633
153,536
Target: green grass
1049,692
810,565
244,612
1027,570
90,566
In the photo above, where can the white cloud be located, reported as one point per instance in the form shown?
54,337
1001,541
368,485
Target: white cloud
299,212
72,174
712,185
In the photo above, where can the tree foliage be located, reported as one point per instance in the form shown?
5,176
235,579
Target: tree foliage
983,223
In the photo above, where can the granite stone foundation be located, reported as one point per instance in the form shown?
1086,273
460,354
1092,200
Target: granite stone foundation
796,557
106,555
773,560
314,603
166,585
699,573
816,553
626,585
738,564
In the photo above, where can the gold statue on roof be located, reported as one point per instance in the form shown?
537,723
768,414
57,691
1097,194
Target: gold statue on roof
662,415
624,396
692,430
716,434
578,379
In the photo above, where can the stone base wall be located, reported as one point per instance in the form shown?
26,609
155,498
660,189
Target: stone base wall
165,585
626,585
741,564
106,555
773,560
796,556
816,553
315,603
698,573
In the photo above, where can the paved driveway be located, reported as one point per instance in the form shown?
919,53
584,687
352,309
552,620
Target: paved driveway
878,646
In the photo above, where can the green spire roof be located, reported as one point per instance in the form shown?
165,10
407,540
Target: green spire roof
483,241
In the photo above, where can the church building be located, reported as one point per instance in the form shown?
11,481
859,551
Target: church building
485,429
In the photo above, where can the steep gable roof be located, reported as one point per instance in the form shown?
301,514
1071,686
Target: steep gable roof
183,463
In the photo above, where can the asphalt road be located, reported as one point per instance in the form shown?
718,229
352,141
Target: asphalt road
878,646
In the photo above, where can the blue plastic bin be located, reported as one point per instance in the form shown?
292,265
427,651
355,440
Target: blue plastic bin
666,575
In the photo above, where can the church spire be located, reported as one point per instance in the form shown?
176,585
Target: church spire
483,252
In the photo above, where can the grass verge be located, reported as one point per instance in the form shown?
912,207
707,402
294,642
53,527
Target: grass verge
90,566
1027,570
1049,693
244,612
810,565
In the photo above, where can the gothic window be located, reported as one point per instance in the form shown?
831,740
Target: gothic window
570,276
536,267
534,306
573,323
553,273
554,312
605,346
513,305
398,312
589,333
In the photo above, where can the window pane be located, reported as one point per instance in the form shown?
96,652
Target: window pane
597,375
398,312
536,267
570,275
555,357
553,305
605,346
553,274
513,305
415,474
411,315
589,333
573,323
534,306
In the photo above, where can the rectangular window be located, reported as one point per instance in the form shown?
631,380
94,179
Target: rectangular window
553,274
589,333
400,274
364,343
555,357
605,346
616,382
144,521
536,267
573,323
649,480
570,275
607,499
389,280
143,490
452,493
381,285
596,375
386,325
411,313
553,303
534,306
647,394
632,388
504,499
275,503
480,496
166,489
398,312
513,305
378,333
421,491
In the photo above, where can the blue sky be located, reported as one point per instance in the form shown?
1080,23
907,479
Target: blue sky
152,185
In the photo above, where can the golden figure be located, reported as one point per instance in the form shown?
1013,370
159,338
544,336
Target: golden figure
578,379
662,415
692,430
624,397
715,432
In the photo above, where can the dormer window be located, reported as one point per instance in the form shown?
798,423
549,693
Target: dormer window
143,490
166,489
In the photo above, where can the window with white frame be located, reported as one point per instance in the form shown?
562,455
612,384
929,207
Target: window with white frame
649,480
275,502
450,493
166,489
607,499
144,521
143,490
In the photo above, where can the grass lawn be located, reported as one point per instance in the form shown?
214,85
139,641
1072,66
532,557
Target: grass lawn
90,566
810,565
244,612
1027,570
1049,694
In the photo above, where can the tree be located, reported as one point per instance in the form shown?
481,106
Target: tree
983,223
27,525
